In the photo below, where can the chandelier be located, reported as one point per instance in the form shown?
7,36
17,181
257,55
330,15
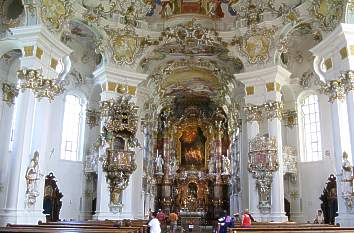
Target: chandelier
42,87
120,125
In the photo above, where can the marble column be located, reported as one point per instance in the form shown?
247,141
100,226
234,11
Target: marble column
350,108
252,132
341,142
277,211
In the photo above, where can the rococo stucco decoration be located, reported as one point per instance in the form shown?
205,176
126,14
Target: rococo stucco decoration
120,125
328,12
262,162
9,93
256,44
42,87
269,110
125,44
55,12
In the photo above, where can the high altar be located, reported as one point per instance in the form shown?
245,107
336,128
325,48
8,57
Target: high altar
192,165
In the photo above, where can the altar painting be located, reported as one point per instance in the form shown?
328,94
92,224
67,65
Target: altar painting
192,144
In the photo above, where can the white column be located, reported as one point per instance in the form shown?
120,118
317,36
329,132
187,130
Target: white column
341,141
350,108
277,212
252,131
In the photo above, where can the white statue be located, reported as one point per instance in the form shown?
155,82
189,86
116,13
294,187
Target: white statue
159,164
226,165
347,171
173,166
211,166
32,177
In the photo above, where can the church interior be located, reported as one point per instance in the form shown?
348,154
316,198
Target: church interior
112,109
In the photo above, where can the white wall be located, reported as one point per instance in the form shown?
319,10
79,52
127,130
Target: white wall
313,177
68,173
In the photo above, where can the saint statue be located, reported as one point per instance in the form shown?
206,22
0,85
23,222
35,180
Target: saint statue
32,177
347,171
211,166
226,165
173,166
159,164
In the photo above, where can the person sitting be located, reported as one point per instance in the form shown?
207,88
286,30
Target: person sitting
246,219
319,218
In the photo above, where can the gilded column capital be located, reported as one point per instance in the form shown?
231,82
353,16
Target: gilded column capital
269,110
273,110
334,89
348,80
253,113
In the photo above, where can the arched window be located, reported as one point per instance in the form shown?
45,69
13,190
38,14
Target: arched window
73,128
311,129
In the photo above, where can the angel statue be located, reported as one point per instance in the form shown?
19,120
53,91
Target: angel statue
159,164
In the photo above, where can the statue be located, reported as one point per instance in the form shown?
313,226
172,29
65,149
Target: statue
32,176
226,165
211,166
173,166
159,164
347,171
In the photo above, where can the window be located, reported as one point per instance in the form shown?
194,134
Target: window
311,130
73,128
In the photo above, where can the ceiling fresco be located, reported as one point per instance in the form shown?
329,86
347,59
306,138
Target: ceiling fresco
190,82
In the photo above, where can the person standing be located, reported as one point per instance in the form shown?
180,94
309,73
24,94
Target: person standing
222,228
162,219
173,222
246,219
154,224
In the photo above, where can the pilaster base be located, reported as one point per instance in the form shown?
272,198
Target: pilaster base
271,217
85,215
14,216
297,217
345,219
106,216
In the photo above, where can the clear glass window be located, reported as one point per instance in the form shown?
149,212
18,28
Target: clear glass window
73,128
311,129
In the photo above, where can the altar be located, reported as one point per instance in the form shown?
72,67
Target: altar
193,173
